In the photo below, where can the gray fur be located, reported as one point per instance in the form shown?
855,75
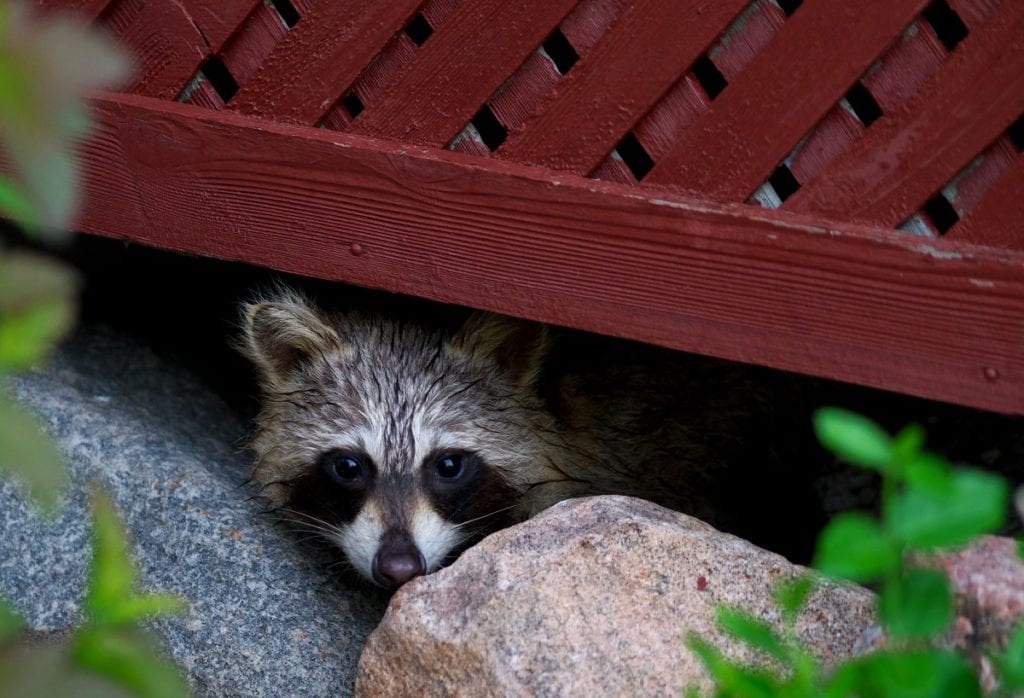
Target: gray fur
551,422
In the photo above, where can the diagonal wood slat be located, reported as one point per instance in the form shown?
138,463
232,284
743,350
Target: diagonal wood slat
644,54
905,157
998,219
86,9
761,116
458,69
320,58
167,47
218,22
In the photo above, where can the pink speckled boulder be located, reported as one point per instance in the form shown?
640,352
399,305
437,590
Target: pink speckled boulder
592,597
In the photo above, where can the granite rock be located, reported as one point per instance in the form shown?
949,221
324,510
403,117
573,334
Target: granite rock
987,580
592,597
266,617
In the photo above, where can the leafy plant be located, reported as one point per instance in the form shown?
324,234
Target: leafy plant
45,68
927,505
108,654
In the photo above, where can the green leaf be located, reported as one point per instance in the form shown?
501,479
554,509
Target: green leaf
929,472
854,438
855,547
46,67
37,307
919,605
30,456
732,679
129,656
973,503
10,622
1010,666
111,574
48,670
141,607
27,337
907,444
791,594
15,205
110,598
753,631
928,673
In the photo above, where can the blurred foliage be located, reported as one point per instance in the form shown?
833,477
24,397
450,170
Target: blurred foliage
927,506
46,66
108,655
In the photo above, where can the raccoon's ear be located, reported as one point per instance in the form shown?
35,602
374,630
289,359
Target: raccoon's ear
280,335
516,346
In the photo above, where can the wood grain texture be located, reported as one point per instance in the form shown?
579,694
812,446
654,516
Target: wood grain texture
458,69
245,51
167,48
643,54
927,317
897,75
908,155
320,58
998,219
86,9
826,44
971,185
218,21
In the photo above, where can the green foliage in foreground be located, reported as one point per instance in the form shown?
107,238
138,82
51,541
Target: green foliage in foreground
45,68
109,655
927,506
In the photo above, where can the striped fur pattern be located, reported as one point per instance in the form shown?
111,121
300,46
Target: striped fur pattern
402,443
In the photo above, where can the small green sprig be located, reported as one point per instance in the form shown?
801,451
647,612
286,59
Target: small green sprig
927,506
110,654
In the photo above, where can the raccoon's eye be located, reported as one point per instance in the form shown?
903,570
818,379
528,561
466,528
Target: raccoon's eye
342,467
449,467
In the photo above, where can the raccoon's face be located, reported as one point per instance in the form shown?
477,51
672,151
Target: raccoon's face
398,444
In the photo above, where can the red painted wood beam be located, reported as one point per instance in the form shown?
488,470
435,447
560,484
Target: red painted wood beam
458,69
881,308
86,9
320,58
814,59
908,155
644,53
998,219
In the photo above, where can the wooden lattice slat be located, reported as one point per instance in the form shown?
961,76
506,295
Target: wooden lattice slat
217,22
972,98
998,219
167,47
727,154
86,9
320,58
638,60
454,73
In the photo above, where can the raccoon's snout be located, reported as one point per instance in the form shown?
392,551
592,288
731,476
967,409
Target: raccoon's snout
397,561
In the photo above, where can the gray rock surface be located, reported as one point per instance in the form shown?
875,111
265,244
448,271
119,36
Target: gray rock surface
266,618
593,597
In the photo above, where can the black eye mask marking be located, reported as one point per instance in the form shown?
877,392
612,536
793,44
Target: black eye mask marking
335,487
464,489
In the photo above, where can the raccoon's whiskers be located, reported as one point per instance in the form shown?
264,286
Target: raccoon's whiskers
461,525
310,522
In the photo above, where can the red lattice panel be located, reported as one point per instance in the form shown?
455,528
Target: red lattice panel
867,125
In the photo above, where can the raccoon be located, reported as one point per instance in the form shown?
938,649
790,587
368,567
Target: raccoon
402,442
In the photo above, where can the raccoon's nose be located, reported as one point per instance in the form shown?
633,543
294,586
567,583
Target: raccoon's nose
395,565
